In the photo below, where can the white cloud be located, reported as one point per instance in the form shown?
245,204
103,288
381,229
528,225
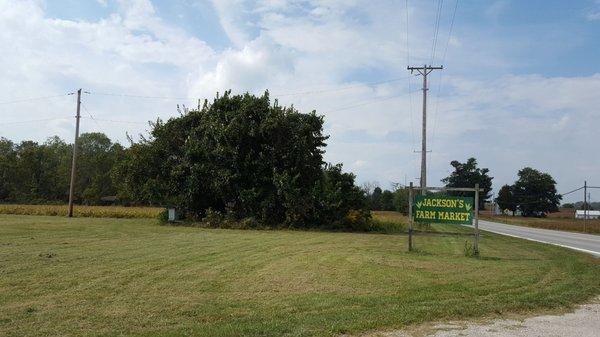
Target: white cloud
296,47
132,51
594,13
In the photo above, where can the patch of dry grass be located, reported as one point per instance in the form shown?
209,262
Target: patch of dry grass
83,211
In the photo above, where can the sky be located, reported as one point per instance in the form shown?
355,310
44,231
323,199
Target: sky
520,85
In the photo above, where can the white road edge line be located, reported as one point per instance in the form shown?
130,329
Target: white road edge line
597,254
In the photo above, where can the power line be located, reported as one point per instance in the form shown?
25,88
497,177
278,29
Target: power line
115,121
450,31
340,88
36,120
440,79
141,96
375,100
307,92
362,103
436,30
410,99
573,191
92,117
32,99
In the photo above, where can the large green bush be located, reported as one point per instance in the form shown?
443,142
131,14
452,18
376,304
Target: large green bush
245,158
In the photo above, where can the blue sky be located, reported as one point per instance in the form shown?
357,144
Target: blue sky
520,85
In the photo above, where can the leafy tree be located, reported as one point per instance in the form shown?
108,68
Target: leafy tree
568,205
506,199
97,157
8,158
34,174
245,157
535,193
401,200
375,202
387,201
467,175
337,195
40,173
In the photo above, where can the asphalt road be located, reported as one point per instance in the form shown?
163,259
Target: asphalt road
587,243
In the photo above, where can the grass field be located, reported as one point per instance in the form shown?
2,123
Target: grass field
551,222
131,277
83,211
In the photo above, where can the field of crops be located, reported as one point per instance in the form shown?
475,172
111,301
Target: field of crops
83,211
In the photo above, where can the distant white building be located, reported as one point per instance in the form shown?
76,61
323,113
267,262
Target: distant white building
579,214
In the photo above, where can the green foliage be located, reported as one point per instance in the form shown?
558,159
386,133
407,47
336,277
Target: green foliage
568,205
387,201
213,219
375,199
96,159
30,171
401,200
40,173
246,158
535,193
381,200
238,156
163,216
469,249
358,220
467,175
506,199
337,195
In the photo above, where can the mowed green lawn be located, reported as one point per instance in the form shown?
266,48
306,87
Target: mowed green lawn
132,277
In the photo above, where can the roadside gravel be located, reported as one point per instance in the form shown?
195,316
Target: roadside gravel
583,322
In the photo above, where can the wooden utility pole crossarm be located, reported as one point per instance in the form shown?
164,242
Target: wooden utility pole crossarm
424,71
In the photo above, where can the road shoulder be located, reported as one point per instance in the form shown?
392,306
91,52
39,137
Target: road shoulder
581,322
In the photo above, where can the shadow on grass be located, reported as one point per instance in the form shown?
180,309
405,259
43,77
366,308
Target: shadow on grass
434,233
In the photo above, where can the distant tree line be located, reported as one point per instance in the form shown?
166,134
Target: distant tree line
239,156
386,200
582,205
40,173
464,175
533,194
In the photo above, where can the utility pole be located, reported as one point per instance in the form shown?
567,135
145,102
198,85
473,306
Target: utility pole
74,163
410,216
584,205
476,221
424,71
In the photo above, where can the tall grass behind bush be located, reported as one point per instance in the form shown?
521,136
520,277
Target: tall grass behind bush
389,222
83,211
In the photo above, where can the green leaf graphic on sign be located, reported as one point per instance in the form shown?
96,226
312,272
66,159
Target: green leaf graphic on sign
468,207
419,204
